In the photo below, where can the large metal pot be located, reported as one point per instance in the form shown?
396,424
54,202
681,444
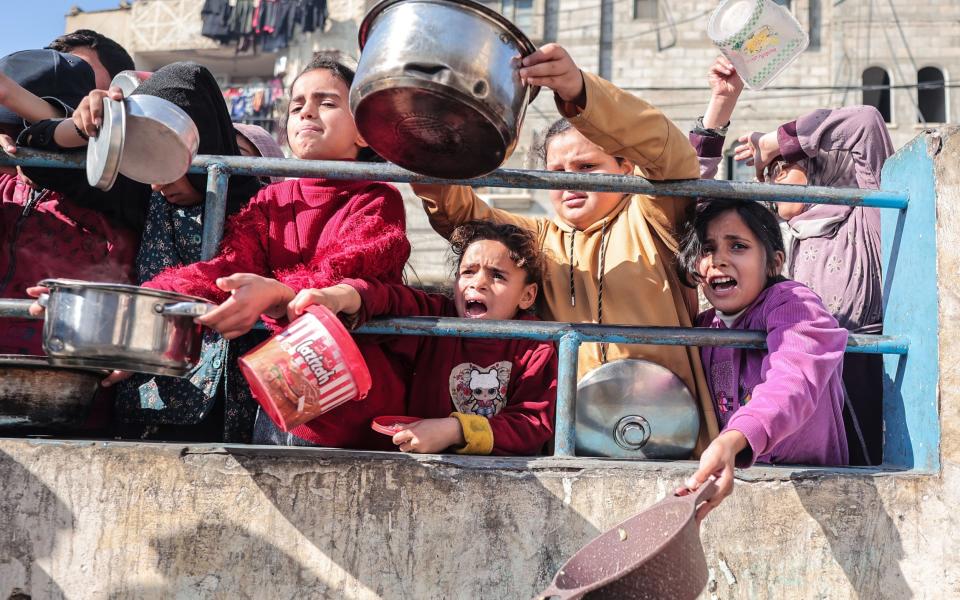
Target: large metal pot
34,394
634,408
437,89
114,326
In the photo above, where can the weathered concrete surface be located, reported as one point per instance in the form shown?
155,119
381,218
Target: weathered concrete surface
85,520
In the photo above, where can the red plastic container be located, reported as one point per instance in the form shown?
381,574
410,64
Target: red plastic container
307,369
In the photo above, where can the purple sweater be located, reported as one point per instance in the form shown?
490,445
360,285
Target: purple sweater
788,400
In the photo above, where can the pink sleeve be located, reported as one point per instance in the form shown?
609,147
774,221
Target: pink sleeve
525,424
243,250
370,242
805,349
709,152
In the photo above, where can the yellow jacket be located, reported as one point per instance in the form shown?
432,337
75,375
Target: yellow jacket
640,285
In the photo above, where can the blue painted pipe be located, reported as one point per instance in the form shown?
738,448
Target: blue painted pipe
214,211
565,434
509,178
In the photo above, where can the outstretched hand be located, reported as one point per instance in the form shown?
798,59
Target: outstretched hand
340,298
717,461
88,117
759,150
250,296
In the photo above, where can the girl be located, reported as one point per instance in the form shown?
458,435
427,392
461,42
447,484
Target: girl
781,405
833,250
476,396
609,256
298,233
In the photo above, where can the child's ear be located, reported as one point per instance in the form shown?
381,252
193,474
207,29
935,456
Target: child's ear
627,167
778,259
361,142
529,296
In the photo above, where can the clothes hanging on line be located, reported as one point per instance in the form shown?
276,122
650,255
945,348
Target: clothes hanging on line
253,101
269,25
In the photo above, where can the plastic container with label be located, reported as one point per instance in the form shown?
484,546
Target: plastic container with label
309,368
760,37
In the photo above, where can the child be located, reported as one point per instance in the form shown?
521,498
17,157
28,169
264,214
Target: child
477,396
780,405
609,256
299,233
833,250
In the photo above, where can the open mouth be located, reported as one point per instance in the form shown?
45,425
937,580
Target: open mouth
474,309
723,283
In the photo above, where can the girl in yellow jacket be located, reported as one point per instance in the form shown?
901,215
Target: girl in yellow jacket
610,256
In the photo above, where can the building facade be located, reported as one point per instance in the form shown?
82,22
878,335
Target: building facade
657,49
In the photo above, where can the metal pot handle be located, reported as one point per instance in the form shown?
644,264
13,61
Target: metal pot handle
183,309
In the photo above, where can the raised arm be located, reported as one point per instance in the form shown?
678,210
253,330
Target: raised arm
448,206
858,130
709,133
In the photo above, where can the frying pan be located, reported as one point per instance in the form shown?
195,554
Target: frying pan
653,554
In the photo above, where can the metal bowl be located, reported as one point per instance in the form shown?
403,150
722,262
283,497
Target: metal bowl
34,394
634,408
160,140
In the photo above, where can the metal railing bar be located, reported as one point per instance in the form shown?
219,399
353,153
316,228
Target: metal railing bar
507,178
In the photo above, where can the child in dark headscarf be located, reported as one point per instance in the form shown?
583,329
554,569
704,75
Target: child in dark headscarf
170,219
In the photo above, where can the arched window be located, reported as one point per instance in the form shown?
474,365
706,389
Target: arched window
873,78
931,95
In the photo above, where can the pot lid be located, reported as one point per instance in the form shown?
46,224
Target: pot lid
76,284
104,150
160,140
635,408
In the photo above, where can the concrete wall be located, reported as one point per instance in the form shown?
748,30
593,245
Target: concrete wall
94,520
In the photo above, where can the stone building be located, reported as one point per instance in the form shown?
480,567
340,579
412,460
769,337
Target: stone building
657,49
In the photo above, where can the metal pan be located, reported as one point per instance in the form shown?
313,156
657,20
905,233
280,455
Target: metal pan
652,555
34,394
104,150
635,408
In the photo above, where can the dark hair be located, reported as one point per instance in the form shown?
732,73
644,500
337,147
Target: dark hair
558,127
331,61
523,248
110,53
755,216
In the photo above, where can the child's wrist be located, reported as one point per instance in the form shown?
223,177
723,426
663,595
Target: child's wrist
456,432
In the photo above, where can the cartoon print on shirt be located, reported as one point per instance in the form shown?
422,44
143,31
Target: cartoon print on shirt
480,390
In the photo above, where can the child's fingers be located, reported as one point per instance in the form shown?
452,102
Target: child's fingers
233,282
115,93
546,53
115,377
7,143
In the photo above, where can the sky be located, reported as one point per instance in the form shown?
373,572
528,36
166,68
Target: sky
38,22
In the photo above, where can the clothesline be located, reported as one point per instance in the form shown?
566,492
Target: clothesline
267,25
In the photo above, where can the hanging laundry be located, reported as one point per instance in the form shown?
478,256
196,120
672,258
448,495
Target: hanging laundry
268,24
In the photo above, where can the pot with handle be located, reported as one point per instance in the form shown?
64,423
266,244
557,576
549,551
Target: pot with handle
654,554
437,89
125,327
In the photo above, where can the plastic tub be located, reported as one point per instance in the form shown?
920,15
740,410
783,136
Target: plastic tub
309,368
760,37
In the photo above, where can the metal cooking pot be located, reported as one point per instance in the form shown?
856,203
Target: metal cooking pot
634,408
114,326
146,138
437,89
34,394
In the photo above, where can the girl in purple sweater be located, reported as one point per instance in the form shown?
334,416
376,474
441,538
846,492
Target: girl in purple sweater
780,405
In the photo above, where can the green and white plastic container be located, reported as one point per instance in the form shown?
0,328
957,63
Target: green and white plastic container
760,37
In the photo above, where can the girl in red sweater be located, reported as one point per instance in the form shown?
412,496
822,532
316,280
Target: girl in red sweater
476,396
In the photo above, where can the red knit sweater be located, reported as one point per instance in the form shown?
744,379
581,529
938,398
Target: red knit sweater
305,233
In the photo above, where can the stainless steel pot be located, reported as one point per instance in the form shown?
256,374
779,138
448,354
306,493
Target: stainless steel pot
437,89
634,408
114,326
34,394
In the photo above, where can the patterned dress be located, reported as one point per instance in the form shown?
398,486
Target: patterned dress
146,405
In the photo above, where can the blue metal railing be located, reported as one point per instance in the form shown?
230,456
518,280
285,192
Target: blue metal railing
569,336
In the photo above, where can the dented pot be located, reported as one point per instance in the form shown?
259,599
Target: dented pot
126,327
437,89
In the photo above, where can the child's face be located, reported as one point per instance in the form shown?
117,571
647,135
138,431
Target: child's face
246,147
319,123
733,266
490,285
573,153
181,192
